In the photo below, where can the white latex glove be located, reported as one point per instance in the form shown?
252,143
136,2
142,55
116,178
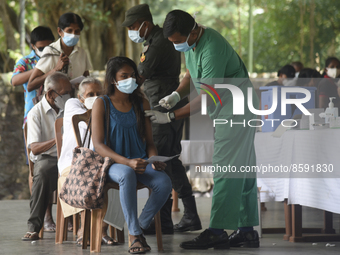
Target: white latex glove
170,101
158,117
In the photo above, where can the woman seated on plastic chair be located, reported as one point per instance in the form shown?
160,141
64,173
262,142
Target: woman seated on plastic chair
88,91
131,144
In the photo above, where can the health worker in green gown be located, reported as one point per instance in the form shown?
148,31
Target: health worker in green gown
210,58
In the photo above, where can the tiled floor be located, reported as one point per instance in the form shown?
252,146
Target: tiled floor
13,216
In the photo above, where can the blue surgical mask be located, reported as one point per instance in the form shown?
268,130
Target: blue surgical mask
134,35
70,39
127,86
183,47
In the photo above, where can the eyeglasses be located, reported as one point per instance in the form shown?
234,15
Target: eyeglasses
57,93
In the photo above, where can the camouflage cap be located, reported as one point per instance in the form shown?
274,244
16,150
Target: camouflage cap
136,12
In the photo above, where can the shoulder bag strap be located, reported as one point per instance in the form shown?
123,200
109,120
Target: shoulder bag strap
87,130
107,118
65,68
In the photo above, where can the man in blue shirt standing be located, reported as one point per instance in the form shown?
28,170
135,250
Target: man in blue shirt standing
40,38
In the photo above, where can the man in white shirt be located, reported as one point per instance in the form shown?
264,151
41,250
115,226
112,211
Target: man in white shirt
78,64
64,55
40,138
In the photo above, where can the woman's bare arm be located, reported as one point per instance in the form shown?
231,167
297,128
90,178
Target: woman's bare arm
98,114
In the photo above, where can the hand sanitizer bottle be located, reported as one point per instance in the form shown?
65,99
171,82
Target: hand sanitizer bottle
331,111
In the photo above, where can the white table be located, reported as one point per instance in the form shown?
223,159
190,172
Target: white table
301,147
307,147
294,147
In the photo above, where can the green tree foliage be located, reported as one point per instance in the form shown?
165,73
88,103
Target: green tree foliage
284,30
102,37
277,28
278,33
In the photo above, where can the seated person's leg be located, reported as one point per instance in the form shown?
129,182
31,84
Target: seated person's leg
161,187
125,176
105,238
44,183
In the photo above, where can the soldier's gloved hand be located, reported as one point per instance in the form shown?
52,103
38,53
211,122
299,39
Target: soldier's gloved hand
158,117
170,101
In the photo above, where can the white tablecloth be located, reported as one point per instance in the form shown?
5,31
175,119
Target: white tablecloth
294,147
301,147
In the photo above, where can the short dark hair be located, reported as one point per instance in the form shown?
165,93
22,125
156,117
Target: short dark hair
306,75
287,70
178,21
329,60
69,18
41,34
309,73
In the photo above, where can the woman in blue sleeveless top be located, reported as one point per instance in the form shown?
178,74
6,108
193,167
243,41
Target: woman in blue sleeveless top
131,144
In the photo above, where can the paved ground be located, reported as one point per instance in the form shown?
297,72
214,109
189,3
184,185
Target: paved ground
13,216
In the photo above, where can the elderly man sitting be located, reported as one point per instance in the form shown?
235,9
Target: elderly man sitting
40,138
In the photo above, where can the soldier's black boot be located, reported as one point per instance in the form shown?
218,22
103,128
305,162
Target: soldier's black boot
190,220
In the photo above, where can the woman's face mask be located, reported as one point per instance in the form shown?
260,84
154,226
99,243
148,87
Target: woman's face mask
127,86
89,101
134,35
333,72
70,39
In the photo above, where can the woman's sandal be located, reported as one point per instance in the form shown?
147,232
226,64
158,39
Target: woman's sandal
145,244
136,249
108,240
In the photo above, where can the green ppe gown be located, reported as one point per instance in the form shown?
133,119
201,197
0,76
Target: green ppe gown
234,202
